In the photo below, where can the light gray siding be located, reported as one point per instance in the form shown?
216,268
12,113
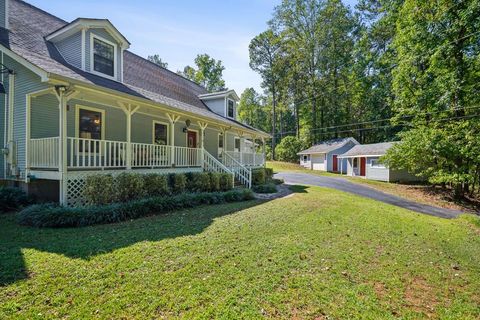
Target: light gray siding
3,13
342,164
71,49
403,176
376,173
44,117
217,105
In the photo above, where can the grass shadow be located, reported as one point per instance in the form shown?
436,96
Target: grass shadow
90,241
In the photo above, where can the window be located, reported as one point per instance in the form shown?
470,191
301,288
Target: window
231,109
160,133
305,158
375,163
90,124
220,141
103,57
237,145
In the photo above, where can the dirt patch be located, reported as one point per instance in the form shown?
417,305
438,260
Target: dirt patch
420,297
380,290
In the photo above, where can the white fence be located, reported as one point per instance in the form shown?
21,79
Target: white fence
44,153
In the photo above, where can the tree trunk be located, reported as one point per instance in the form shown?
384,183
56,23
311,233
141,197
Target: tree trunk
274,122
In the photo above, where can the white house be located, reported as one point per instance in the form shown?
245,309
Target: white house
324,156
364,161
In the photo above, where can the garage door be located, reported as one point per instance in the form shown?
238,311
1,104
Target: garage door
318,162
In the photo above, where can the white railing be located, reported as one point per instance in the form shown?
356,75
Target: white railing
90,153
210,164
44,153
243,174
187,157
150,155
249,159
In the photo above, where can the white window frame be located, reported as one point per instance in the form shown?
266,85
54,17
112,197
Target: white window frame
239,142
220,150
234,109
153,131
377,164
115,57
77,123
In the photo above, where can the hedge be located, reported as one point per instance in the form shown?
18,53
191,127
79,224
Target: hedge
12,199
265,188
56,216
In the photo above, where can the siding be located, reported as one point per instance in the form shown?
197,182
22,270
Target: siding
44,117
3,109
339,152
403,176
380,174
217,106
71,49
104,34
3,13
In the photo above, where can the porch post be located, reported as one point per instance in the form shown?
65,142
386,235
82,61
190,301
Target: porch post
242,144
129,111
203,126
62,143
254,150
263,151
173,119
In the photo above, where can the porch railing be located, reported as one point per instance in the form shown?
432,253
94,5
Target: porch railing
89,153
44,153
249,159
242,173
150,155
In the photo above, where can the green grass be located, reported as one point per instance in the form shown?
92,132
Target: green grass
317,253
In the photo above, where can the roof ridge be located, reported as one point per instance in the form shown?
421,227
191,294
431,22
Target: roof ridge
172,72
41,10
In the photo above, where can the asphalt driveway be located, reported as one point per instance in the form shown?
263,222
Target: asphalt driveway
364,191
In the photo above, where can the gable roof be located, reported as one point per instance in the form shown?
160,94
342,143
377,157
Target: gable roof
374,149
328,146
220,94
28,28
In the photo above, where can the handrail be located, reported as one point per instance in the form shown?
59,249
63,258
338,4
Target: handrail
243,174
211,164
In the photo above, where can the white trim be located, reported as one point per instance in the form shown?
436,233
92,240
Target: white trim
77,118
362,156
197,136
220,94
154,122
223,143
84,49
24,62
234,109
115,57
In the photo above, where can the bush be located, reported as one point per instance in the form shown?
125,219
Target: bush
178,183
265,188
214,181
287,149
268,173
55,216
226,182
259,176
99,189
12,199
129,186
277,181
155,185
198,182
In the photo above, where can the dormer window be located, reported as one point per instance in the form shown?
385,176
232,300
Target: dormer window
103,56
231,109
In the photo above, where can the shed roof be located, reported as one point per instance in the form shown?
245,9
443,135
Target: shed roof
328,146
374,149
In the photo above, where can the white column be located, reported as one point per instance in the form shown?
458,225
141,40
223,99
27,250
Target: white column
62,143
173,119
263,151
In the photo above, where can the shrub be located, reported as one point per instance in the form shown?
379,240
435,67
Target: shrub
129,186
258,176
198,182
178,183
214,181
55,216
265,188
268,173
155,185
226,182
277,181
287,149
12,198
99,189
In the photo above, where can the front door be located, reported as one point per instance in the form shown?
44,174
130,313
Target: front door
191,139
363,166
335,163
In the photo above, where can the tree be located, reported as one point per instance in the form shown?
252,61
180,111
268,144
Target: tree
157,60
208,73
250,109
288,148
264,58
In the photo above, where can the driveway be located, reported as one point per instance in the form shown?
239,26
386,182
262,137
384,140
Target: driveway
364,191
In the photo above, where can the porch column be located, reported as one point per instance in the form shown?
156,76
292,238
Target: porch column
242,144
254,150
224,137
173,119
129,110
263,151
203,126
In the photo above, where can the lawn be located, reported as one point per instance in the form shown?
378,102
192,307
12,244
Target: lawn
318,254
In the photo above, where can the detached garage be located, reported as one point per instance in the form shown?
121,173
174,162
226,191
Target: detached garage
324,156
364,161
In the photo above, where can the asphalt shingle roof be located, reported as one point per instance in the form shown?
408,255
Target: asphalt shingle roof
375,149
327,146
26,37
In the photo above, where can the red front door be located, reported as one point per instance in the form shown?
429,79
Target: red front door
191,139
363,166
335,163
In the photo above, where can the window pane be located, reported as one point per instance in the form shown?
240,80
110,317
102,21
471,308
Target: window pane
161,134
90,124
231,109
220,141
237,144
103,57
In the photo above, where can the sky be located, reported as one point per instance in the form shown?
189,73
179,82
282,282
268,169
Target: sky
178,30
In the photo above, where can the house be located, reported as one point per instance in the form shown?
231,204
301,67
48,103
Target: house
324,155
76,102
364,161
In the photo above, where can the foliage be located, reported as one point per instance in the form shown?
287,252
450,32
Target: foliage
209,73
178,183
277,181
129,186
265,188
198,182
99,189
158,61
288,148
214,182
55,216
12,199
155,185
268,173
259,176
226,182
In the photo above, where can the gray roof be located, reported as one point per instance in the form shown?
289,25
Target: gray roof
141,78
328,146
375,149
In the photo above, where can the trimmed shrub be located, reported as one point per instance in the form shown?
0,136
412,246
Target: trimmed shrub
55,216
99,189
12,199
277,181
155,185
178,183
198,182
265,188
214,181
268,173
258,176
226,182
129,186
